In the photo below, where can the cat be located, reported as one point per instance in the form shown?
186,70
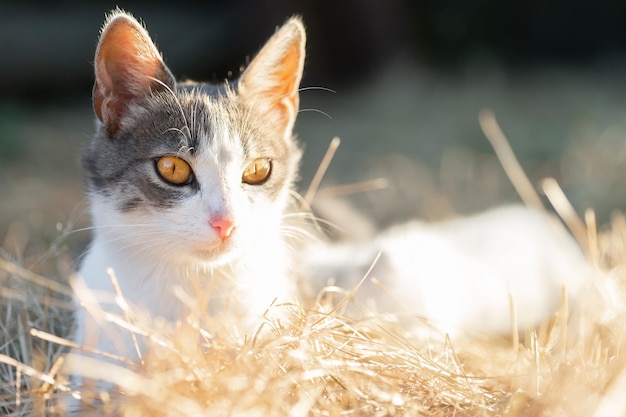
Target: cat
189,185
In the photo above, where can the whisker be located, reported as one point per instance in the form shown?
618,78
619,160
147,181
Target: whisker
180,107
106,226
194,115
316,111
317,222
317,88
307,214
143,246
297,236
124,238
174,129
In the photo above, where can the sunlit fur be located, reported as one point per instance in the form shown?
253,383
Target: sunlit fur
464,275
156,237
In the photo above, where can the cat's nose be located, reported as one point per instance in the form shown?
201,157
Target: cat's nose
223,226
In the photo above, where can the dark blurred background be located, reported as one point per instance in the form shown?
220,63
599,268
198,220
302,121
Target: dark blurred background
409,78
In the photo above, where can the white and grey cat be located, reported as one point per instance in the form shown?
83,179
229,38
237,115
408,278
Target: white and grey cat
190,188
189,183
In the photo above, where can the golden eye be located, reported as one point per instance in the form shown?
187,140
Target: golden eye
257,172
174,170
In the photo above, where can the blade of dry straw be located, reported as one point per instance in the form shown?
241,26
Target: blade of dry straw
48,337
121,302
592,236
54,370
34,278
514,324
319,174
353,291
507,159
355,187
563,318
565,209
32,372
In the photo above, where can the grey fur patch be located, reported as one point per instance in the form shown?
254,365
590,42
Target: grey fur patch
120,166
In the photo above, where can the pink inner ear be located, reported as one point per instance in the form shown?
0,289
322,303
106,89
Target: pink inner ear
127,62
282,91
288,76
271,81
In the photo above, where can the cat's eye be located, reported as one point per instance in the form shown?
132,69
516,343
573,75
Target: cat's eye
257,172
174,170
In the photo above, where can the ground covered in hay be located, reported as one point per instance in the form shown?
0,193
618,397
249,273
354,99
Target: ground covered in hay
320,363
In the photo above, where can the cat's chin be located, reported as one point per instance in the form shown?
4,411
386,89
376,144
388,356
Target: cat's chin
216,256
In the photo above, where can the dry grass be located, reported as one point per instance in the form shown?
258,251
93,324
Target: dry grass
320,363
28,301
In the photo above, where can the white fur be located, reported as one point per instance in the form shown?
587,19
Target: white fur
153,251
159,250
462,273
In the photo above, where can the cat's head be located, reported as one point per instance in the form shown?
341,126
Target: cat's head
187,168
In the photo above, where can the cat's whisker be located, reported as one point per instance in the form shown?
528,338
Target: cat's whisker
194,116
307,214
184,150
79,210
183,147
294,239
67,233
132,235
318,223
143,246
111,237
316,111
300,199
177,101
117,238
106,226
66,230
123,239
302,234
174,129
317,88
323,225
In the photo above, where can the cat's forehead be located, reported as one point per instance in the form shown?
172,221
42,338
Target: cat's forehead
213,119
219,120
198,118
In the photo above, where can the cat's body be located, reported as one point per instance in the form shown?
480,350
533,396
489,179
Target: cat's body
463,275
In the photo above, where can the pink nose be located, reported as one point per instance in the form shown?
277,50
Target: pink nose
223,227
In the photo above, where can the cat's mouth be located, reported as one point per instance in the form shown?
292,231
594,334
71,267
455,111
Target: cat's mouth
217,253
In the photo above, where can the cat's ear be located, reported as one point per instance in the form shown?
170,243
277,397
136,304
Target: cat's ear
128,69
272,79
